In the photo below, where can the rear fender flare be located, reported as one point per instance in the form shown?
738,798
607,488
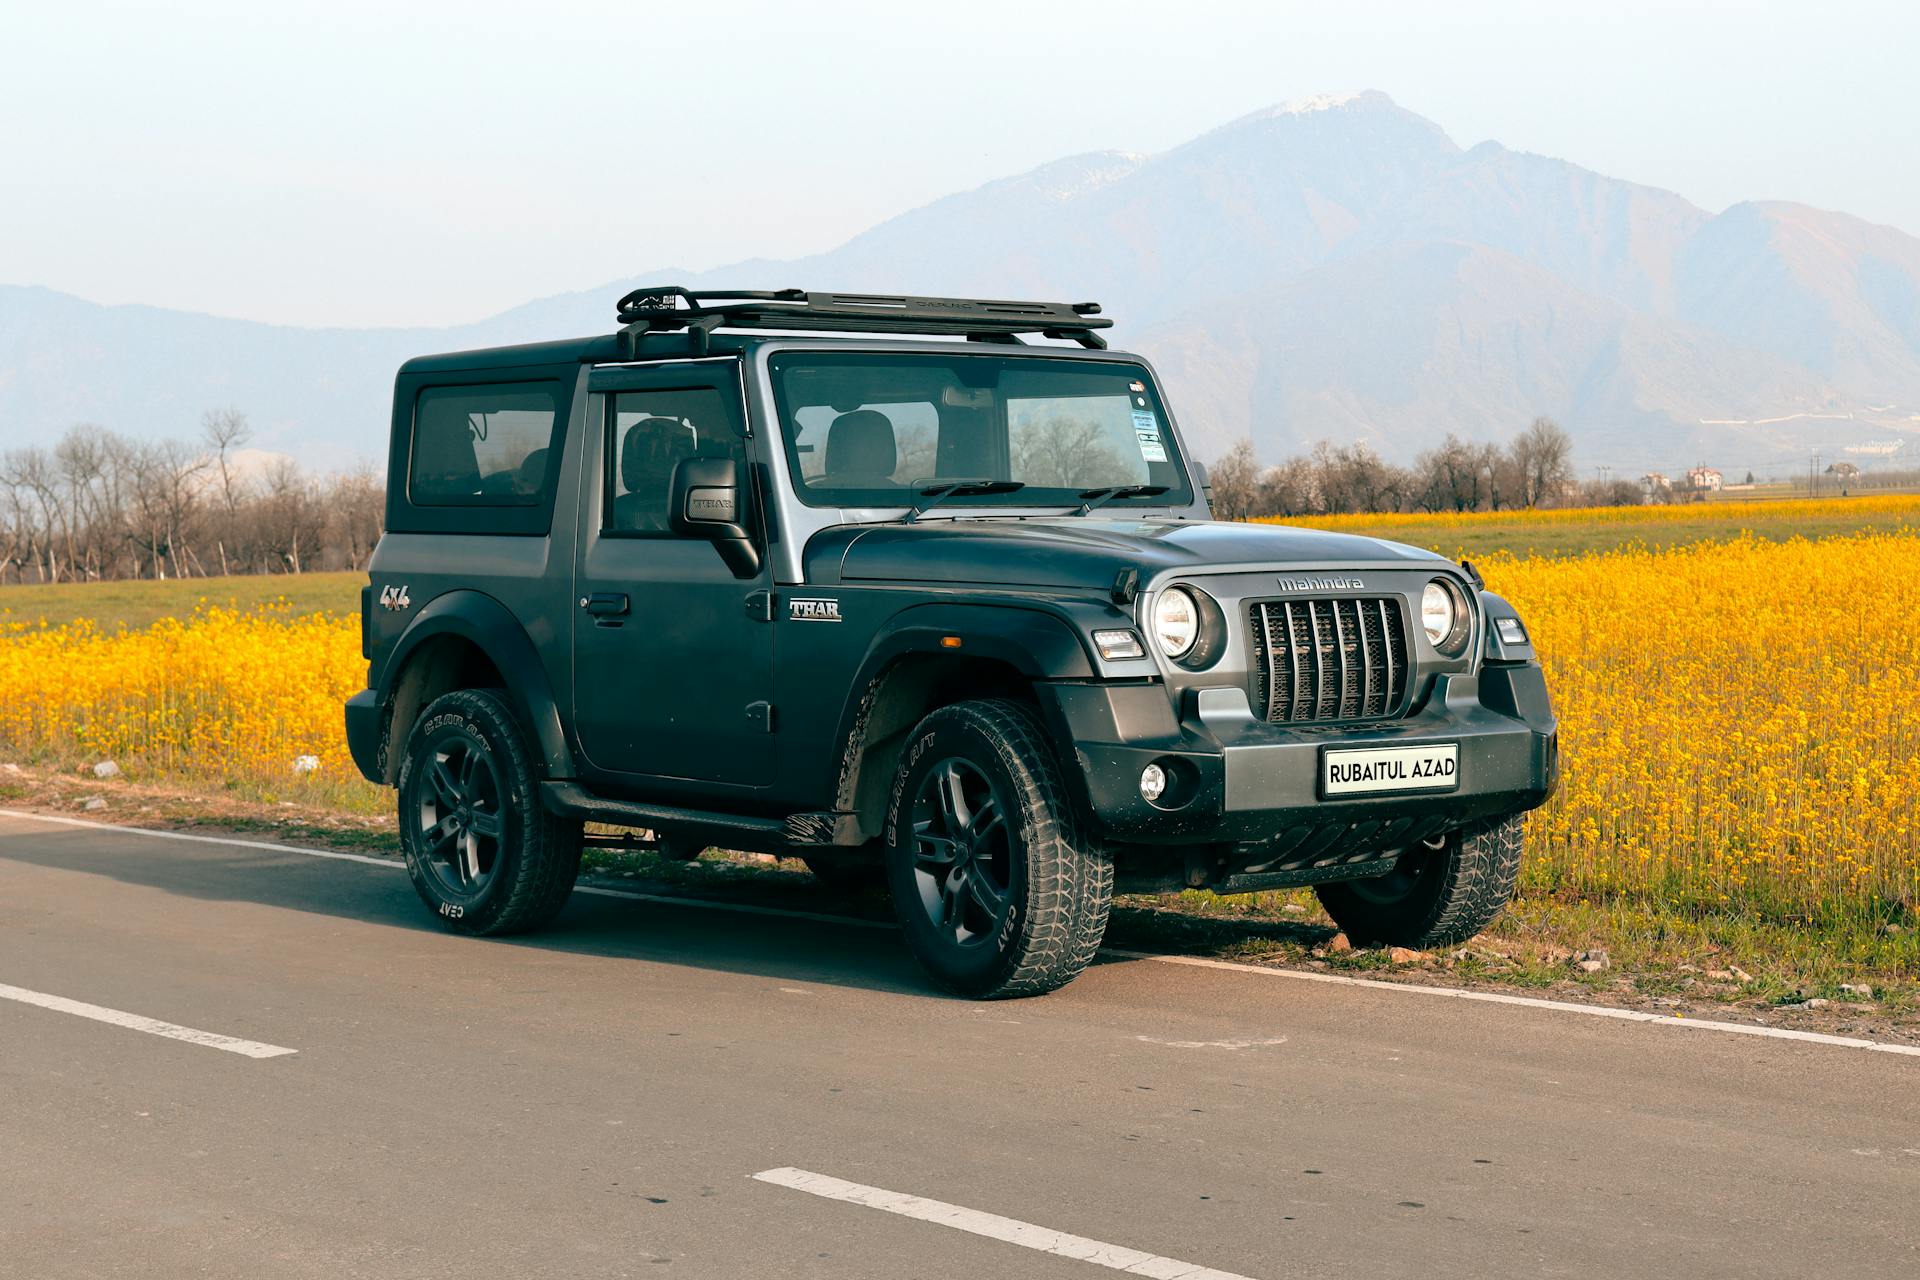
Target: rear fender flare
491,628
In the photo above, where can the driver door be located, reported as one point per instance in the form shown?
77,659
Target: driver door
672,676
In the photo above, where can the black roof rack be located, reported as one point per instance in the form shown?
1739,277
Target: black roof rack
660,308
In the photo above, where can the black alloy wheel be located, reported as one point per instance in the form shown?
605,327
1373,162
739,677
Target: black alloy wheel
459,817
962,859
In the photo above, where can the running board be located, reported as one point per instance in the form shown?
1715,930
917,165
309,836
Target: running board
571,800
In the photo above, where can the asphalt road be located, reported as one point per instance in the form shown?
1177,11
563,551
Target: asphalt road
596,1102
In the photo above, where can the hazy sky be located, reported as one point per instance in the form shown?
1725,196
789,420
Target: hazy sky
410,162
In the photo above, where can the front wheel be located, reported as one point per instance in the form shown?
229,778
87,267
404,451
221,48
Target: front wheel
484,854
1434,897
999,893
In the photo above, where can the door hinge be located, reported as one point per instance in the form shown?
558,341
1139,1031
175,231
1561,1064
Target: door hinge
760,716
760,606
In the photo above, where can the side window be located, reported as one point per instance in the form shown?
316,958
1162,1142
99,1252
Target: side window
648,434
482,445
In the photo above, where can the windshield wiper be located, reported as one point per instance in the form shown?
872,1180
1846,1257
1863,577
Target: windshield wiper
963,487
1102,496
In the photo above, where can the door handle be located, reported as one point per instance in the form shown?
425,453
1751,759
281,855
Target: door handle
605,604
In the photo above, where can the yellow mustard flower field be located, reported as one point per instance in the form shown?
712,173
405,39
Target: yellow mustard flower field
1741,718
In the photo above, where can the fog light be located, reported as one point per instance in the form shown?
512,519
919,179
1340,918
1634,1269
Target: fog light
1153,783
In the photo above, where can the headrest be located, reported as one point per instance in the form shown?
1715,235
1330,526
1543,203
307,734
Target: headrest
650,448
861,444
532,474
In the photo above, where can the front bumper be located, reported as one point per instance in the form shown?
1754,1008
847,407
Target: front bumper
1253,788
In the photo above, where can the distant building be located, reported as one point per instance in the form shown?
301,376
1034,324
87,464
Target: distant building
1705,480
1658,487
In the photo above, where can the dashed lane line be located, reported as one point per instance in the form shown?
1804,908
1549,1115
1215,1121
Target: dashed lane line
994,1227
139,1022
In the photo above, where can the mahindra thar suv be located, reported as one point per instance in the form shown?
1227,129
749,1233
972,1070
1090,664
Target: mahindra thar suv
926,599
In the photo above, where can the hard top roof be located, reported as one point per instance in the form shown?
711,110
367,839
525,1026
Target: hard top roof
665,321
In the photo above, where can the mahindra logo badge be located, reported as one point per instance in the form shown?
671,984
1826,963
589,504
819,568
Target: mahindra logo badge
1336,583
801,609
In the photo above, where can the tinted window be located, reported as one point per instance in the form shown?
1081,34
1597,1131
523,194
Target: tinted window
649,432
483,446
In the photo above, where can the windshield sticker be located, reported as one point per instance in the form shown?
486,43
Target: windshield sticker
1146,430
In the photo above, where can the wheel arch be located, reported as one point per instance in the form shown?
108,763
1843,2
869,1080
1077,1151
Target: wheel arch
469,640
913,667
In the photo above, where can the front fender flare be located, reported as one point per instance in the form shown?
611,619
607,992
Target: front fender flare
1035,642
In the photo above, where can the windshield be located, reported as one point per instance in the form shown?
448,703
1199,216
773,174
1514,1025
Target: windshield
873,430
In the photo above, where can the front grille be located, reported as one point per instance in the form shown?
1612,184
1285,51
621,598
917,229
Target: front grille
1342,659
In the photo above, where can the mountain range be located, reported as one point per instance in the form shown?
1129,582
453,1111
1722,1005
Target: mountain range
1334,268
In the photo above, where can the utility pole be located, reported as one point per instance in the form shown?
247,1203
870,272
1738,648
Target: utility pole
1813,472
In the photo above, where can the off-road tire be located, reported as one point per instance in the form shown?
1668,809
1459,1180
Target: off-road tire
1058,883
535,857
1434,897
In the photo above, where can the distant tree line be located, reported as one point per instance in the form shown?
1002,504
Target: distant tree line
1534,469
96,504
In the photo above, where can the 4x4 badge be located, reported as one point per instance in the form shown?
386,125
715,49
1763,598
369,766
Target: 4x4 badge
801,609
394,597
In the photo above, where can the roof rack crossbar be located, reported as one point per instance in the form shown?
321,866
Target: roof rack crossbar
661,308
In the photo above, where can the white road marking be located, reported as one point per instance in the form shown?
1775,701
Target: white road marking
1212,1044
1526,1002
994,1227
136,1022
1199,962
232,841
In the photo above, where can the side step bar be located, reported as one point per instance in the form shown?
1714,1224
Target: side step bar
571,800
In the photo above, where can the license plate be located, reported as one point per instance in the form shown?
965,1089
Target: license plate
1363,770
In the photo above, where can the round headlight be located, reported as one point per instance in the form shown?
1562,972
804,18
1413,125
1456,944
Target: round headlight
1176,622
1443,616
1436,612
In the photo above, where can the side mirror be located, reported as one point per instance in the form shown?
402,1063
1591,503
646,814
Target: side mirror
707,500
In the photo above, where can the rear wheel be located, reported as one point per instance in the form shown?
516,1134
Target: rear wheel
1434,897
998,892
483,853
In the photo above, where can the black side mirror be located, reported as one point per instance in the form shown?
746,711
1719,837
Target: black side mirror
707,500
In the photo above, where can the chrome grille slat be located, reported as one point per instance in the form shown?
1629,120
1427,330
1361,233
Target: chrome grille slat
1346,659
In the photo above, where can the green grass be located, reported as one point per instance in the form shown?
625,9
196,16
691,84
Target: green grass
1548,534
140,603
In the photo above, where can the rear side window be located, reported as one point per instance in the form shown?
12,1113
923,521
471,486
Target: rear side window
483,445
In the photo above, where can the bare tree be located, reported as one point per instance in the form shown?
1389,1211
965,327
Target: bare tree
1542,461
1068,451
94,504
226,432
1236,483
355,505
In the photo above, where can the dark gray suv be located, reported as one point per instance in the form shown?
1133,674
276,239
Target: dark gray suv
946,606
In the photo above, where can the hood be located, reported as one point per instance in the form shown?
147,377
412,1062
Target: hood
1083,554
